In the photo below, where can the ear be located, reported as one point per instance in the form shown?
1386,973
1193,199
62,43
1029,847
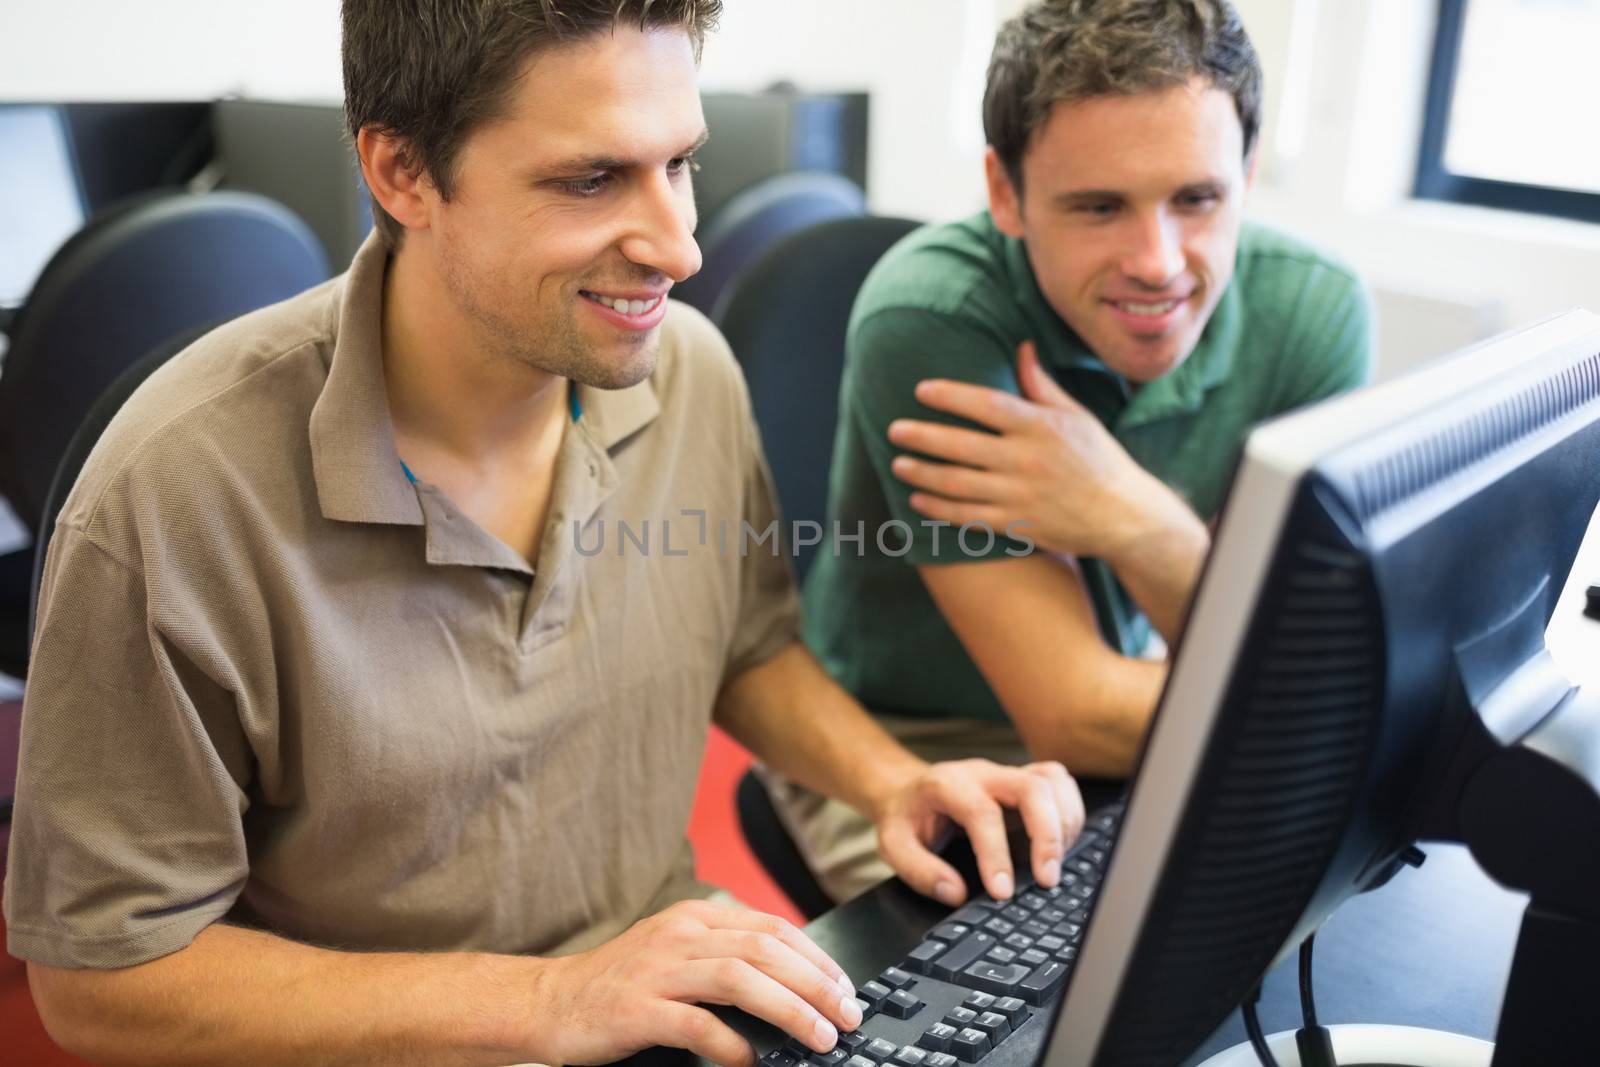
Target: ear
1005,203
406,194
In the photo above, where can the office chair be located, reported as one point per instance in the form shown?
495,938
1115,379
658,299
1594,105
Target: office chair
757,218
137,274
786,319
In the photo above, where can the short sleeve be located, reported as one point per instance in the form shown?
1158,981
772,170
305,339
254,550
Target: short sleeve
889,352
127,835
1328,348
769,607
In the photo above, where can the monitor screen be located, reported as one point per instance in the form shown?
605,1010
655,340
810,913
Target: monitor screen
1390,581
41,202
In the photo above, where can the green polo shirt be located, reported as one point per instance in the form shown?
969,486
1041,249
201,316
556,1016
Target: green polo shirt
954,301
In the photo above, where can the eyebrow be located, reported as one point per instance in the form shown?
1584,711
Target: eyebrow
1081,197
587,163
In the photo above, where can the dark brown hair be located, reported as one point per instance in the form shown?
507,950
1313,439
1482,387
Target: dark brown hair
429,72
1068,50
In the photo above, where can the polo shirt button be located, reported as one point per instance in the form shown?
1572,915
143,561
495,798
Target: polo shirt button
594,469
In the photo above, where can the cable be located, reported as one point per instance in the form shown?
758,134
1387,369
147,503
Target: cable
1314,1042
1252,1027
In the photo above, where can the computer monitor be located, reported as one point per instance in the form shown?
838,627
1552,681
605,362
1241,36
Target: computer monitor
41,200
1383,648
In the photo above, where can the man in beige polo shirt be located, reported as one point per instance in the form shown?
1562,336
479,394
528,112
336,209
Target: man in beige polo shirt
381,634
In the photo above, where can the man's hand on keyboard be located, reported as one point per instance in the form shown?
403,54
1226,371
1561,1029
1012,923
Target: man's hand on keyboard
645,987
973,793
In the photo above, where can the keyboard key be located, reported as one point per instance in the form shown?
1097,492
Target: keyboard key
873,992
1016,913
952,932
921,958
901,1004
1052,916
959,1017
851,1040
867,1010
999,927
797,1049
997,978
1097,856
937,1038
1034,928
895,978
1043,983
979,1001
1087,869
1000,954
860,1061
1069,932
1078,915
1033,957
1033,900
1049,943
909,1056
779,1057
1083,891
997,1026
1067,953
951,963
1019,942
879,1049
940,1059
969,1044
1012,1008
828,1059
974,914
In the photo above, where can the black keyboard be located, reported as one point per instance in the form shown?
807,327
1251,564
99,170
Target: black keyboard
979,987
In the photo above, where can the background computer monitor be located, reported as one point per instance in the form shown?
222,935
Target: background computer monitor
41,200
1389,609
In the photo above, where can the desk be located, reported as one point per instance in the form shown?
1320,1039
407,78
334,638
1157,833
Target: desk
1432,948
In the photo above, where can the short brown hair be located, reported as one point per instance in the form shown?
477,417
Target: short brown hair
1068,50
429,72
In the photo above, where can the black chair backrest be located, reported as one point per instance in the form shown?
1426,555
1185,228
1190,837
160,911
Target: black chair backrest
757,218
99,416
786,320
137,274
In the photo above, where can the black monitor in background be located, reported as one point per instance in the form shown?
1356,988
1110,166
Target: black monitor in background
129,147
1388,645
755,136
297,154
41,200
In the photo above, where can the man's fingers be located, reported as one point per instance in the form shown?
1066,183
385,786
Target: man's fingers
1042,818
723,917
702,1033
1069,799
954,482
973,448
993,408
918,867
973,806
1037,384
774,957
730,980
959,514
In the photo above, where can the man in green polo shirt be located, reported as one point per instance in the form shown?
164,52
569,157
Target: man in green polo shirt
1077,366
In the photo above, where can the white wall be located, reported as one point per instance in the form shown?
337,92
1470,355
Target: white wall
1344,96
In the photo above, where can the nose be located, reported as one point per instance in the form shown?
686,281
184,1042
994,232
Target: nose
660,234
1155,256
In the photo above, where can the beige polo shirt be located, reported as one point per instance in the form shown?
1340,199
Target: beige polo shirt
277,683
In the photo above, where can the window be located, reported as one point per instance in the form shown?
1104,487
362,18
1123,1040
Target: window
1511,110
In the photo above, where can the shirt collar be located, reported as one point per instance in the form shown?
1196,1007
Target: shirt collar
354,458
353,453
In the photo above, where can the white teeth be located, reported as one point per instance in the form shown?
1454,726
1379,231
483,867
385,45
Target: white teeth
1147,309
626,307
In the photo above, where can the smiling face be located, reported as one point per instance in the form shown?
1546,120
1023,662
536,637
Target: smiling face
1130,212
572,215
